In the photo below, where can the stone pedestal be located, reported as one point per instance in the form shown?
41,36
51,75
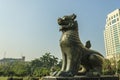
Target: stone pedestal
82,78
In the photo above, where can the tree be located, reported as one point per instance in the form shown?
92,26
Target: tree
41,72
17,68
2,70
48,60
21,68
43,65
118,66
5,69
37,67
108,68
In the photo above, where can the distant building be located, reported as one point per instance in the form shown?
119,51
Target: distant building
112,35
11,60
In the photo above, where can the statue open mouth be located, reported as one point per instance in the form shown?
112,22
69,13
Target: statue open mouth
65,22
62,21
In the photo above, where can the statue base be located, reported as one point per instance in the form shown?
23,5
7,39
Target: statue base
105,77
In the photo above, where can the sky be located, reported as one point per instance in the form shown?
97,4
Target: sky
29,27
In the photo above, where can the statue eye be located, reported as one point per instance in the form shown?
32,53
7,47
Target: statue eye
64,18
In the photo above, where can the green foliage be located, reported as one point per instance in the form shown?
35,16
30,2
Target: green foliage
39,72
119,66
108,68
21,69
43,65
16,68
48,60
5,69
37,67
36,63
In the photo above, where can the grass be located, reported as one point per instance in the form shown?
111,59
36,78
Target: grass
3,78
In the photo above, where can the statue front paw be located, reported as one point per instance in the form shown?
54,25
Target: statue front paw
65,74
93,74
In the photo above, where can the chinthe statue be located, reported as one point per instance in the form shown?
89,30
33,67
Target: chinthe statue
74,53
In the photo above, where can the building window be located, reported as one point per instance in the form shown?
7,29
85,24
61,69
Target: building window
110,23
113,21
112,17
117,19
116,14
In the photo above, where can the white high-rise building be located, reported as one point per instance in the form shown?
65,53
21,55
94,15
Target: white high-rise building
112,35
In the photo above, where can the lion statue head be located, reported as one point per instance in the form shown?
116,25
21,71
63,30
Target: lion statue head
68,23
